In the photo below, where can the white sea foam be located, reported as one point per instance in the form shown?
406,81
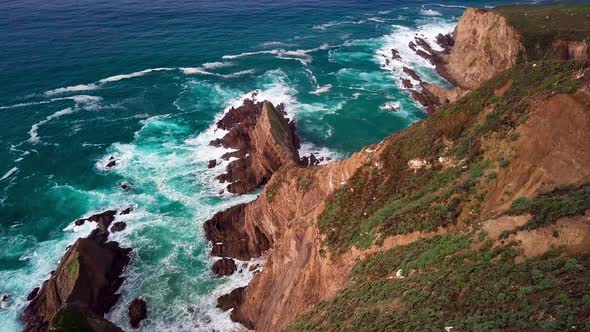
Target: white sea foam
86,102
9,173
202,71
245,54
328,25
301,55
322,89
399,39
448,6
376,19
24,104
320,152
74,88
34,136
214,65
430,12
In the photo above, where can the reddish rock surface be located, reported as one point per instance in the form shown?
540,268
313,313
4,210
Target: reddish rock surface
224,267
229,237
264,139
84,284
137,312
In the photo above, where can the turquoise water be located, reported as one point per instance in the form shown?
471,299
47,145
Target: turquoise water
144,81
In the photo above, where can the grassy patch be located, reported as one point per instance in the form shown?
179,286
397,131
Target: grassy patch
472,291
548,207
418,255
540,25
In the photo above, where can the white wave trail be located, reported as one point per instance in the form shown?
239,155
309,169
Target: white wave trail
201,71
214,65
76,98
301,55
326,26
34,136
9,173
94,86
241,55
448,6
82,101
74,88
132,75
321,89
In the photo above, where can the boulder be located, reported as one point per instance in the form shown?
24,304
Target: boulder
118,226
137,312
231,300
224,267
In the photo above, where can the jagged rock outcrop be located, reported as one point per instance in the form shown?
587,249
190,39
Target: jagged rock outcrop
224,267
485,44
84,285
264,141
563,49
285,212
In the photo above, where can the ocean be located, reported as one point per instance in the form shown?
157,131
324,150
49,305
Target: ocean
145,81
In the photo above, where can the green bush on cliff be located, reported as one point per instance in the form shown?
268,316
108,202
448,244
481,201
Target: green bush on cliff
547,208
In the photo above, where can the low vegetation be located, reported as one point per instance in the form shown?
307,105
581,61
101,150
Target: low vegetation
540,25
386,197
445,285
547,208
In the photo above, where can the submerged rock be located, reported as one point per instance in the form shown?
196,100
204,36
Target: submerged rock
137,312
5,301
126,186
118,226
127,210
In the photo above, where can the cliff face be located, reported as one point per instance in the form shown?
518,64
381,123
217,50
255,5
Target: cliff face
263,141
438,177
485,44
477,198
83,287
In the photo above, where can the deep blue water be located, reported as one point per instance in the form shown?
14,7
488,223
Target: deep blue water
144,81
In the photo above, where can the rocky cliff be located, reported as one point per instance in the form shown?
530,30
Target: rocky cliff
495,184
263,141
464,167
489,41
83,287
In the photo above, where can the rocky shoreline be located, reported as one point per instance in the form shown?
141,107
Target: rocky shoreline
84,286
